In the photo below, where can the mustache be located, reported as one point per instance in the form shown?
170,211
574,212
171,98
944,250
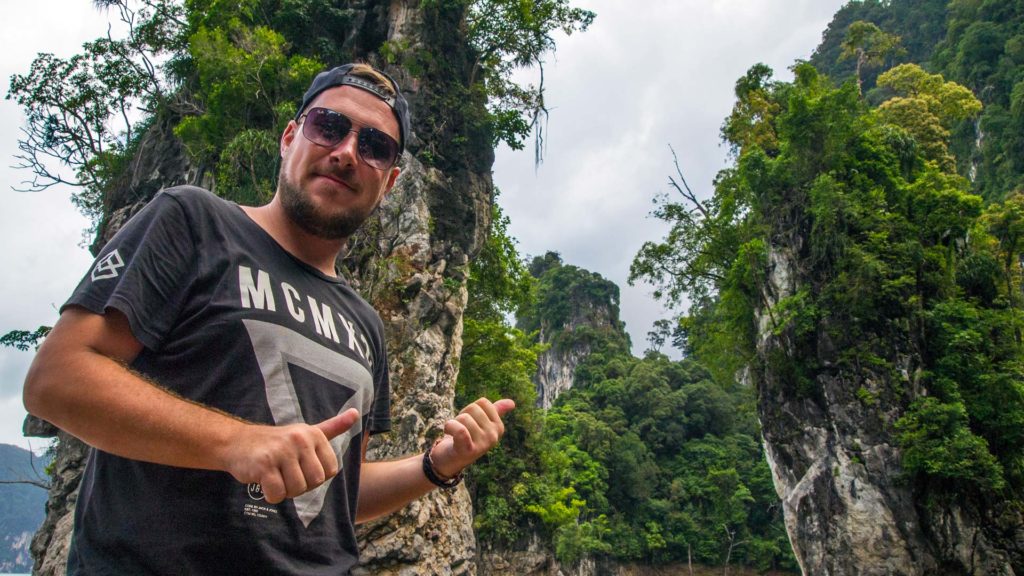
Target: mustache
345,175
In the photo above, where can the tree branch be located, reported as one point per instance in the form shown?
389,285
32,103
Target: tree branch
688,193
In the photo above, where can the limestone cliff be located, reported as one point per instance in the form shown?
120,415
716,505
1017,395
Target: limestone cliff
574,307
848,508
576,314
410,262
556,366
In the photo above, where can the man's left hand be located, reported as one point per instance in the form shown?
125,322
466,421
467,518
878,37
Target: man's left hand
468,436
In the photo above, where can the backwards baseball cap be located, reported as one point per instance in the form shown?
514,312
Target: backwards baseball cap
341,76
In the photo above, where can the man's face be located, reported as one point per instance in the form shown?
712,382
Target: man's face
330,192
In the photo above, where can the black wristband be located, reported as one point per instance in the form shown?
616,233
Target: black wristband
431,474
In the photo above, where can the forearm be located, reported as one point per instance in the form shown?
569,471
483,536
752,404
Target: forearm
100,401
79,382
387,486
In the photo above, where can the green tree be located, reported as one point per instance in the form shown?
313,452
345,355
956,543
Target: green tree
895,250
509,35
1005,222
927,107
79,109
868,45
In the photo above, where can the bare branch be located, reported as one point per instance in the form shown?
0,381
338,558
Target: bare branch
688,193
35,483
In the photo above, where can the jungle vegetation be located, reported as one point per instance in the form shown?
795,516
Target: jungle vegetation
897,151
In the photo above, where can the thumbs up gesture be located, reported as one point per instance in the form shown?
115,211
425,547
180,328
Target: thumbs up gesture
468,436
287,460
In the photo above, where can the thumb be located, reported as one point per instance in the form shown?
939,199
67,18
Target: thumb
339,424
504,406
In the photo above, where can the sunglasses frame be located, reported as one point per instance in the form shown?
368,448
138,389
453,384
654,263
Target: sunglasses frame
363,134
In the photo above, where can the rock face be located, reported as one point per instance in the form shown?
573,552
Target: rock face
847,509
50,543
573,305
556,366
409,261
534,559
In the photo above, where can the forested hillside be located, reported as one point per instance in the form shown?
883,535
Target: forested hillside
858,270
978,44
22,499
861,261
642,460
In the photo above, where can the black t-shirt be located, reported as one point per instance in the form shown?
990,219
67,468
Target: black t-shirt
231,320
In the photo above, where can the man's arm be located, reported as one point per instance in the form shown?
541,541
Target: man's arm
79,381
386,486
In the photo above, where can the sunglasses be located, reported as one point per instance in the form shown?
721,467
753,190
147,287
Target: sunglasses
328,128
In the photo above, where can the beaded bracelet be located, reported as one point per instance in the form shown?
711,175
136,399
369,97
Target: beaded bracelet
431,474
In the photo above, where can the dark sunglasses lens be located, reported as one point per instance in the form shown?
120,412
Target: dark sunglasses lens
326,127
377,148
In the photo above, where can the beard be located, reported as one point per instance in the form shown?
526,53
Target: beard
297,205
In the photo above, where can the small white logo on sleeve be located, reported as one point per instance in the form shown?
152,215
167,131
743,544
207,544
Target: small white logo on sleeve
108,266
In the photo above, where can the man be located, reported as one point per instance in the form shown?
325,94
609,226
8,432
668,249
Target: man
228,379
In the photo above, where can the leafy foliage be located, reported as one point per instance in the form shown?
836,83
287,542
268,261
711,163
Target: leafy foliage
573,305
898,256
667,461
23,339
642,460
247,86
228,75
868,45
919,25
927,107
513,34
497,362
978,44
80,110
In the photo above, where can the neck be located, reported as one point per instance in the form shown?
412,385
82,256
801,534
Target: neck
318,252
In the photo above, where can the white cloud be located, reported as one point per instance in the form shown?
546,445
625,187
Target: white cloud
646,75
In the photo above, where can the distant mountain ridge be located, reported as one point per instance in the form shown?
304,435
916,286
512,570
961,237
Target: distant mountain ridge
22,506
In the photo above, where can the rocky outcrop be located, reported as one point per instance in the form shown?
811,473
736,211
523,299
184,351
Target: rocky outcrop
410,261
556,366
533,558
418,285
848,508
50,543
577,313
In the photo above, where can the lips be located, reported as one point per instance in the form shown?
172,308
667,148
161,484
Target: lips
338,180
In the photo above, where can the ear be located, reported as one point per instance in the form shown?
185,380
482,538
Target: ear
391,180
290,131
388,185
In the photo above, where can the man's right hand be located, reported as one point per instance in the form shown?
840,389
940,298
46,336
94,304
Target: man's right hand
287,460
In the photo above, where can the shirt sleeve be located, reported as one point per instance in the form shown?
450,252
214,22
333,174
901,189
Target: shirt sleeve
146,271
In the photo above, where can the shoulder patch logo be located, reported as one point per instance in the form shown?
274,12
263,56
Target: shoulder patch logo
108,266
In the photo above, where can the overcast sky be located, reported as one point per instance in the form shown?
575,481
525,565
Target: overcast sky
646,75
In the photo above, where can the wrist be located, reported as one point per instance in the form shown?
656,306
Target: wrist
439,477
229,441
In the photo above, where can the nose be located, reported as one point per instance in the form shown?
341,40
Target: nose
346,152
